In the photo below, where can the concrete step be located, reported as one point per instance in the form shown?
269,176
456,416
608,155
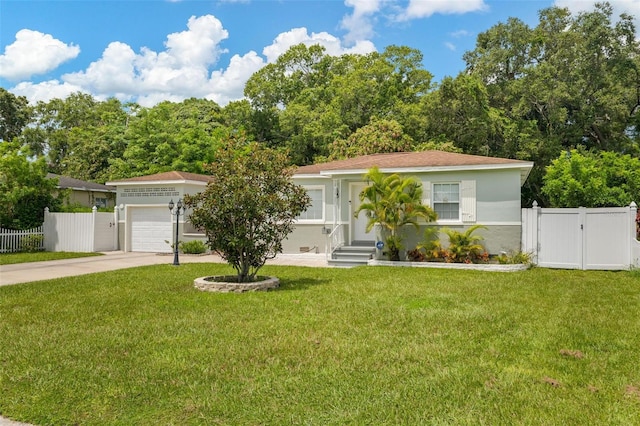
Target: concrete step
345,263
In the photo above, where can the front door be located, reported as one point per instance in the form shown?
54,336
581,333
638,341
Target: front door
358,224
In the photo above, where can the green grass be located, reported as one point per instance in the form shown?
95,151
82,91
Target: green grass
11,258
368,345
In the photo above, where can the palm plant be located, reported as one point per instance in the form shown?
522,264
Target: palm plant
392,201
464,246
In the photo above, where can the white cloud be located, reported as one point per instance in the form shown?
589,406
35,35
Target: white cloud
460,33
45,91
450,46
425,8
182,70
631,7
332,44
359,24
34,53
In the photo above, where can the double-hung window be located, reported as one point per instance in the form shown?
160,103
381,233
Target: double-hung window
315,212
446,201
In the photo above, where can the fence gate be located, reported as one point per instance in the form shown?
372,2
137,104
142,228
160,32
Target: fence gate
582,238
81,232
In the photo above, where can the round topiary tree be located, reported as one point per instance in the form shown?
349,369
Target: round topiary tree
250,205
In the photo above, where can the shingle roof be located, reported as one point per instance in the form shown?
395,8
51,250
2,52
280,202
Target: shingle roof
399,160
166,176
65,182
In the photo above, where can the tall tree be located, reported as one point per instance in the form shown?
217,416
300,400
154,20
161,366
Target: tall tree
24,188
14,115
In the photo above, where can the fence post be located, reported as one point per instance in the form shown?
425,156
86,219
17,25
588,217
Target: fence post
116,233
46,231
634,240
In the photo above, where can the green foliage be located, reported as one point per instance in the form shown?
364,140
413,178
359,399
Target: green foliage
31,243
392,202
583,179
515,258
465,247
14,115
25,190
249,207
379,136
193,247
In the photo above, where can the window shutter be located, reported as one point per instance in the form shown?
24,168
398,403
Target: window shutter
468,196
426,193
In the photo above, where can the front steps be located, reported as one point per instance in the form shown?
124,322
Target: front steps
356,254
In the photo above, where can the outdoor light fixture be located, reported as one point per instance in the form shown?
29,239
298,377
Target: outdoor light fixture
179,207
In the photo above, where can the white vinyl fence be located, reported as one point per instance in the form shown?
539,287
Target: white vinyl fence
12,240
582,238
81,232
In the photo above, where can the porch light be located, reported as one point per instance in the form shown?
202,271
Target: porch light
177,212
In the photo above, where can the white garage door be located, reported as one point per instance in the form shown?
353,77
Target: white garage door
150,228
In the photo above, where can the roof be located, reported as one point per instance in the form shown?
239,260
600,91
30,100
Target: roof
166,177
65,182
412,162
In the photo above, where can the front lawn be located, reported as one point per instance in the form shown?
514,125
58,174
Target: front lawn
11,258
369,345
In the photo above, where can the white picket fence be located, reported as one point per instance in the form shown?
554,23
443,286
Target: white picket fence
12,240
582,238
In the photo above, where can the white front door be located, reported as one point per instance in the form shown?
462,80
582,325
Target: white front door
358,224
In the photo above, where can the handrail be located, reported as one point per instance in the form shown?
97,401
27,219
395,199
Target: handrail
336,240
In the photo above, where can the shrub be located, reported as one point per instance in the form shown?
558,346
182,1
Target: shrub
193,247
31,243
464,247
515,258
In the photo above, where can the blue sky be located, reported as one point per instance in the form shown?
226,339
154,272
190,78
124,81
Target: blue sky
148,51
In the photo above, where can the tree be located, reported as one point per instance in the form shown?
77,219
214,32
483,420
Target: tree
584,179
14,115
24,188
378,136
392,202
249,207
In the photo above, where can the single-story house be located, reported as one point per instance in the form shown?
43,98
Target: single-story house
145,222
87,194
463,189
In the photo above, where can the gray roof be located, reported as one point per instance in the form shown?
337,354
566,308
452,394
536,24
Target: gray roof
65,182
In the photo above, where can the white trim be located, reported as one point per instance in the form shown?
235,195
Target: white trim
524,167
158,182
321,221
459,202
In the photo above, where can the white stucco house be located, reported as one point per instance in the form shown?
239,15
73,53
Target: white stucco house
145,223
463,189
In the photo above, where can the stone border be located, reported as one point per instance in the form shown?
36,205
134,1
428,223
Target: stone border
493,267
211,284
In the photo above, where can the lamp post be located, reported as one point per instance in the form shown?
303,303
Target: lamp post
179,207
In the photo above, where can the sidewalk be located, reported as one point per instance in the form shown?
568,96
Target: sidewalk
37,271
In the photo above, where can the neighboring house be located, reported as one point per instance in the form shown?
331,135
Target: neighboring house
463,189
145,222
87,194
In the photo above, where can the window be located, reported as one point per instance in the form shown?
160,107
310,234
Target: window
100,202
446,200
316,209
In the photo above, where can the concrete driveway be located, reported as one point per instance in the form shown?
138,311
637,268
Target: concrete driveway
37,271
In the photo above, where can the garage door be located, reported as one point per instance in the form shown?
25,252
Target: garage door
151,227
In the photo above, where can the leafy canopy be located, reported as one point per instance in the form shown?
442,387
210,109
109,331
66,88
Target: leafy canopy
583,179
250,205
